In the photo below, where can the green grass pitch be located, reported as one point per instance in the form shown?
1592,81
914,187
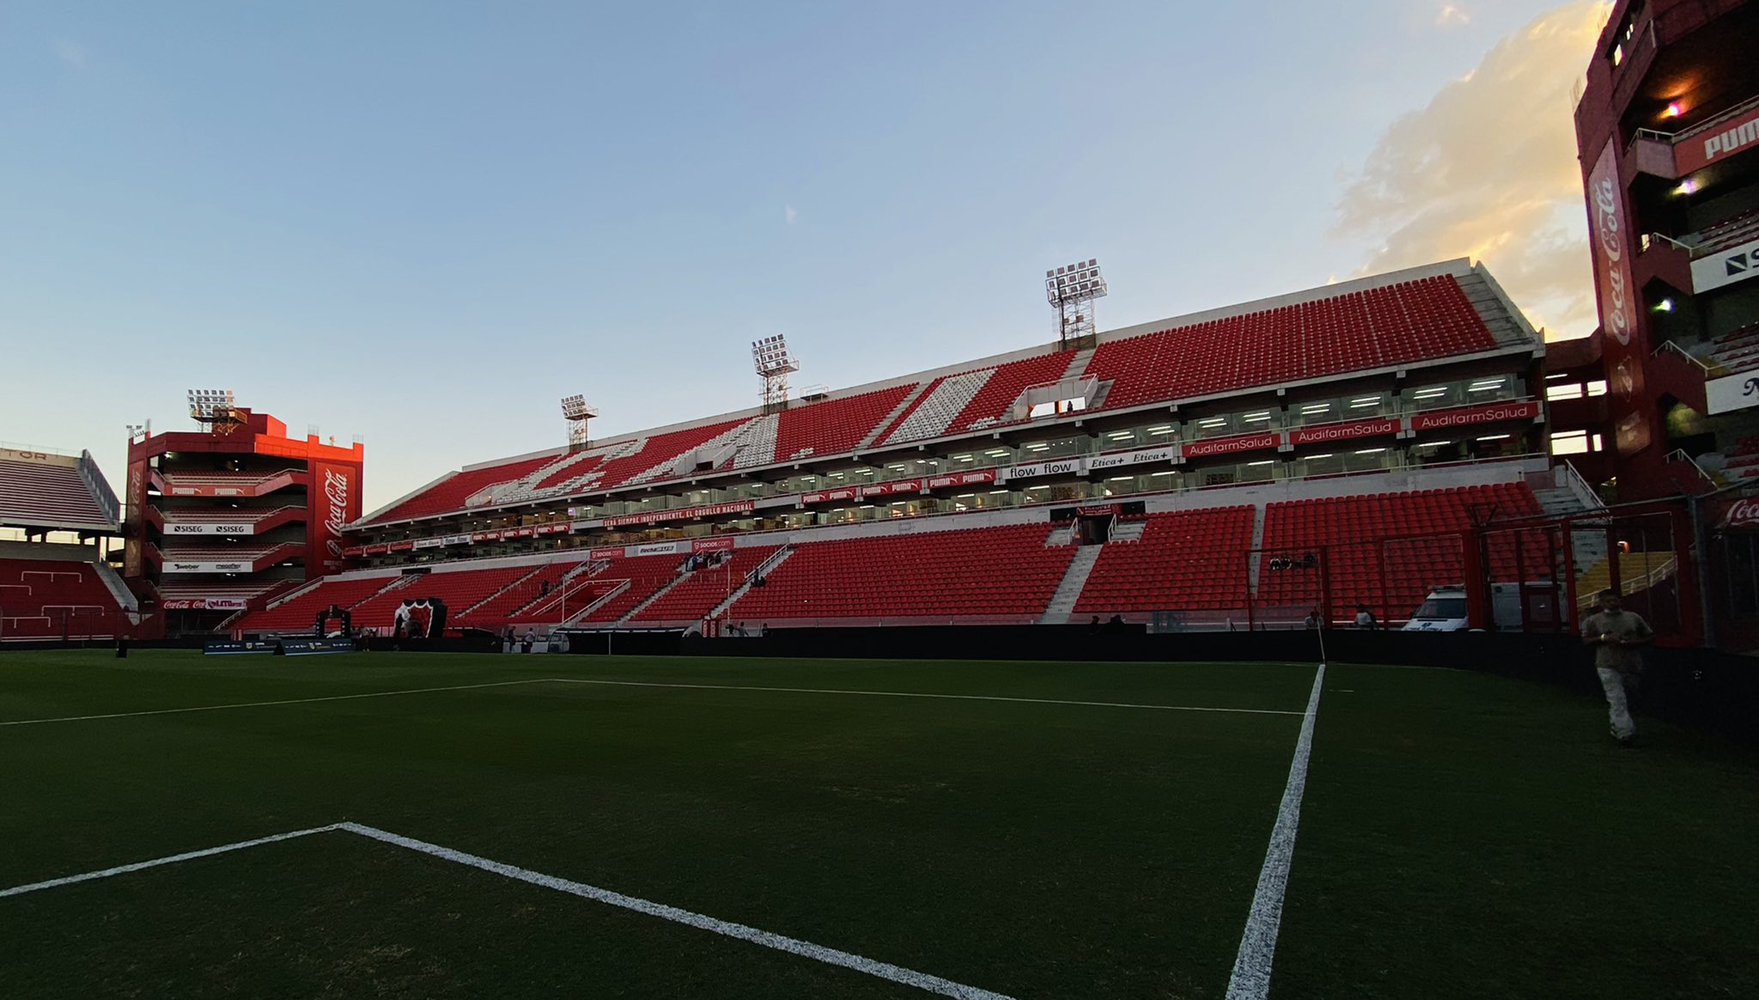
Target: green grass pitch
1462,835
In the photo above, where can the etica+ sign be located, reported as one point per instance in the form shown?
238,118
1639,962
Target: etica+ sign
1122,458
1231,445
682,513
1465,416
1343,432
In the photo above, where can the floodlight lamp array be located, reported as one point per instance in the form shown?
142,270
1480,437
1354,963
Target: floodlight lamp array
1074,282
210,404
770,355
575,408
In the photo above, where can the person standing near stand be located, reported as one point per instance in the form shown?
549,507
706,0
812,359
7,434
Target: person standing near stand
1617,637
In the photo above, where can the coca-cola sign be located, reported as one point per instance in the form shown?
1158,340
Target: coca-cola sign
1742,514
1611,246
336,512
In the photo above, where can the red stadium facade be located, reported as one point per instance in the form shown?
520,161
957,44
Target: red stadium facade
1668,132
222,520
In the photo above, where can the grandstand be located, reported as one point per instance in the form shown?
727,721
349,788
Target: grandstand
55,582
1130,474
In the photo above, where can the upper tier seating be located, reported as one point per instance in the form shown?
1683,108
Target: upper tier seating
450,493
300,613
1732,231
1194,560
833,426
1005,572
697,594
457,590
1388,550
44,599
994,403
42,495
1737,350
1406,322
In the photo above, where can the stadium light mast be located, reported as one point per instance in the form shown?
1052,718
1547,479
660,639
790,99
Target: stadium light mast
213,408
577,413
1071,291
773,363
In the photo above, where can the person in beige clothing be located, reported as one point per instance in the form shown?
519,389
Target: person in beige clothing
1616,637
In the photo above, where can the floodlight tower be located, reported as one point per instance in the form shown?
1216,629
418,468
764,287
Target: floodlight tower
1071,291
577,413
213,408
773,363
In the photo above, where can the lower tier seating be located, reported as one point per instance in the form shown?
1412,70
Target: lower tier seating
698,593
1005,572
1195,560
46,599
646,575
458,591
1387,550
300,612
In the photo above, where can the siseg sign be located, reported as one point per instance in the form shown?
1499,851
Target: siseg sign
215,528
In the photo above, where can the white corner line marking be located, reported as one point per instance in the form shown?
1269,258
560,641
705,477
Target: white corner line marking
742,932
794,946
266,704
1251,976
19,890
923,694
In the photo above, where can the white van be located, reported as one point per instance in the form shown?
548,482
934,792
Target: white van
1444,610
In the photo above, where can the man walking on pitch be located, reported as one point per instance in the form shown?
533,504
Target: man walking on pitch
1616,636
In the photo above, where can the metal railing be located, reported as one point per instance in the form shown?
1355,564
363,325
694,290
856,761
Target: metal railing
1679,455
1668,345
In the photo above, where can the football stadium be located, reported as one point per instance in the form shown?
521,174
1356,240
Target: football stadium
1266,650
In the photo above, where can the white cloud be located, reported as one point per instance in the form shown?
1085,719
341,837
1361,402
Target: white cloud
1488,170
1451,16
71,53
789,215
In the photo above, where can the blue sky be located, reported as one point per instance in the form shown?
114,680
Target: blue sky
423,223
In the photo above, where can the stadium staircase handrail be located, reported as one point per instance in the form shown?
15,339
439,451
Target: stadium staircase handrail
1668,345
1679,455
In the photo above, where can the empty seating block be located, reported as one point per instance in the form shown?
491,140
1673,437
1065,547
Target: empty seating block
1409,321
538,583
834,426
646,574
1185,561
47,495
457,590
298,613
46,599
450,493
1388,550
697,594
990,572
994,403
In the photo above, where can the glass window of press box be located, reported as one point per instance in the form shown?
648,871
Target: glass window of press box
1331,461
1144,436
1356,406
1255,470
1464,392
1254,421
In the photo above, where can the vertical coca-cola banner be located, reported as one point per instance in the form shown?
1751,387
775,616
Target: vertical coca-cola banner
334,501
1622,346
134,518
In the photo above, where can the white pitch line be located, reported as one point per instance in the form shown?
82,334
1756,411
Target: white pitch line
1251,976
19,890
794,946
742,932
265,704
921,694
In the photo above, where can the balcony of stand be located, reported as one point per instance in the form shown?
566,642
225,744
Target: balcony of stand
1673,371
